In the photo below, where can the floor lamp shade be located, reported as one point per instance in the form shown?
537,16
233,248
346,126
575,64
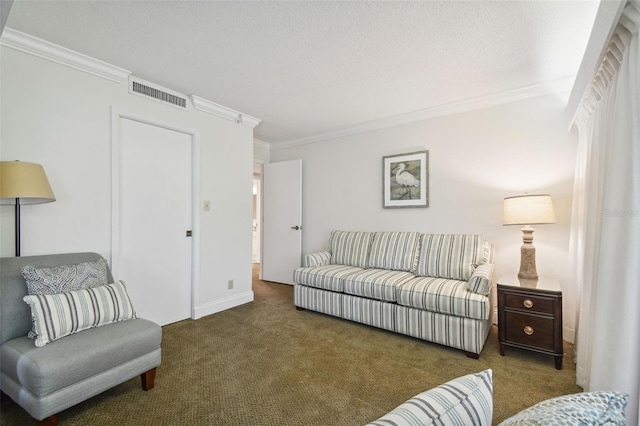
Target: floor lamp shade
23,183
528,210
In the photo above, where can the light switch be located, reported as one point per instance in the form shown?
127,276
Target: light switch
206,205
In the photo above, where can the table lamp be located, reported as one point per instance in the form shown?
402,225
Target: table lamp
528,210
23,183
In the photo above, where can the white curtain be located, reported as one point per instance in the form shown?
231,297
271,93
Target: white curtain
605,235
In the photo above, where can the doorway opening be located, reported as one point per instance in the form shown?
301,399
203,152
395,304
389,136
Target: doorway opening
257,214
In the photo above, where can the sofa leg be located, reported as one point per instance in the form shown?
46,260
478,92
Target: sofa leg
49,421
298,308
472,355
148,378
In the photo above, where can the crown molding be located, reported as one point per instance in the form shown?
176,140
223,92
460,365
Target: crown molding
43,49
224,112
562,85
35,46
257,143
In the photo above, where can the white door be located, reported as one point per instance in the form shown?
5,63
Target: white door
155,212
282,220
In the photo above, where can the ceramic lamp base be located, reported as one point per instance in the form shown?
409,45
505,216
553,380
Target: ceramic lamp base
527,256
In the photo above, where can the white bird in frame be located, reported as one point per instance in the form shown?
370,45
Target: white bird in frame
406,179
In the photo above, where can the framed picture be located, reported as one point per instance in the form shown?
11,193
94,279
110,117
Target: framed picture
405,180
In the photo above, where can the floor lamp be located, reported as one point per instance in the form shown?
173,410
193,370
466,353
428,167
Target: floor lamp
528,210
23,183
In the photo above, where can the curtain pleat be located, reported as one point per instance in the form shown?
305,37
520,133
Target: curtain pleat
605,234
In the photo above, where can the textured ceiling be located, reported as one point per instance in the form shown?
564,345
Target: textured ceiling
308,68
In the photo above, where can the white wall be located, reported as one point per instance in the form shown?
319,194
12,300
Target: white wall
475,160
260,153
61,118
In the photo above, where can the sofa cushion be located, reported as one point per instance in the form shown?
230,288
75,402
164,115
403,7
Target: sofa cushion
58,315
444,296
450,256
376,284
467,400
60,279
329,277
396,251
42,371
587,408
350,248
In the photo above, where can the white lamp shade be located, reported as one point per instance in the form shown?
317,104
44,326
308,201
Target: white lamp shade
528,210
26,181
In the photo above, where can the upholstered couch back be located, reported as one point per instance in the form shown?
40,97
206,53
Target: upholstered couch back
15,315
451,256
350,248
396,251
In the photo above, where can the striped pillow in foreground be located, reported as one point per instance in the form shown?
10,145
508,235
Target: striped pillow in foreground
59,315
464,401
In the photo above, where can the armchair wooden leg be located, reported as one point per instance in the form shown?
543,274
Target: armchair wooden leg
148,378
49,421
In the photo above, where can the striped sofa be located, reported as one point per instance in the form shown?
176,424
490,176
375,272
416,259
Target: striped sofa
434,287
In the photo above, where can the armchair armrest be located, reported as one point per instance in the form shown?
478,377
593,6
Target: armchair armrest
320,258
480,280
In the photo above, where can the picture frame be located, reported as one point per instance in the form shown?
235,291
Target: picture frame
405,180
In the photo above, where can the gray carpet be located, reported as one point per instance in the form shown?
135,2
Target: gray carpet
265,363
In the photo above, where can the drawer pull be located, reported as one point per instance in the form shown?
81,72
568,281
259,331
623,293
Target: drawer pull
528,303
528,330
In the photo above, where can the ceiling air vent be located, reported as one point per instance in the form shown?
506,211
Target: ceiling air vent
140,87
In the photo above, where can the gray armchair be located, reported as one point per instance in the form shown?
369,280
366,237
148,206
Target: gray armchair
47,380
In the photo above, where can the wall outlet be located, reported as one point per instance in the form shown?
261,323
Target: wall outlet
230,284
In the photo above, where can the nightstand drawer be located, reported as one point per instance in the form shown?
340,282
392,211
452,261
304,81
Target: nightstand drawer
529,303
529,330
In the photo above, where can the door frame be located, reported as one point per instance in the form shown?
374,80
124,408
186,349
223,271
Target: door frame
117,115
260,220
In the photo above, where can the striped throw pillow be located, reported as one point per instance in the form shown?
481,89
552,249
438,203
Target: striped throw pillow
58,315
60,279
396,251
467,400
450,256
350,248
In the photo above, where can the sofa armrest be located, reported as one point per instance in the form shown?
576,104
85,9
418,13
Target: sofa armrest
320,258
480,280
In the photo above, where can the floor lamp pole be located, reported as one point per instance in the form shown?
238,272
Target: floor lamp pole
17,227
23,183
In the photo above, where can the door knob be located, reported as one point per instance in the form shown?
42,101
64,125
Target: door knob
297,228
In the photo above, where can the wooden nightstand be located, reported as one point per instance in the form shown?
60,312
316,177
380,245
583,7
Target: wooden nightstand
530,315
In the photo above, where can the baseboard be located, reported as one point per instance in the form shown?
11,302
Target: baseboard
569,334
222,305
